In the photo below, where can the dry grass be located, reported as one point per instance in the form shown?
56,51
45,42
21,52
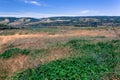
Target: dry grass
107,33
16,63
10,66
41,40
56,53
22,62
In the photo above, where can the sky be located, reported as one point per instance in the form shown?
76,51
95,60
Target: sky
51,8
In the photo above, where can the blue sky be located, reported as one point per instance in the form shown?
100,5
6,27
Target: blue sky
47,8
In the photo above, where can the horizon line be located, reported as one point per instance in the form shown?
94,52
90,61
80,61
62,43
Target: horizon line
59,16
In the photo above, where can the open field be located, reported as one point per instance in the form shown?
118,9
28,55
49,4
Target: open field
60,53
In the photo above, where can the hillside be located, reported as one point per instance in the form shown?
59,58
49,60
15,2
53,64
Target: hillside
62,53
13,21
4,27
88,21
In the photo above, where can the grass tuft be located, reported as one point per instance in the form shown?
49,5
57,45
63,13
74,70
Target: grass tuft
14,51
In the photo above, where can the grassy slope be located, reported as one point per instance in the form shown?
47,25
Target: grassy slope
89,61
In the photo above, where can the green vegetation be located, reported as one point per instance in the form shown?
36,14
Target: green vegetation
53,30
6,27
3,26
91,61
68,57
14,51
33,31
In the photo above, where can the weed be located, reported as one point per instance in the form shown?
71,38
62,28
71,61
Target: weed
14,51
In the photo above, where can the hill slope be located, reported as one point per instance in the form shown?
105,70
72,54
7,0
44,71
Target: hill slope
89,21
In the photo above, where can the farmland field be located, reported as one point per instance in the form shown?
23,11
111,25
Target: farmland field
60,53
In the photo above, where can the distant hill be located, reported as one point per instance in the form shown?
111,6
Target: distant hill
4,27
13,21
88,21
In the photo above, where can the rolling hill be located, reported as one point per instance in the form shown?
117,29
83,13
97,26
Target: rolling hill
88,21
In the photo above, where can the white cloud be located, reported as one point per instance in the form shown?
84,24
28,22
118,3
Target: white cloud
89,13
84,11
33,2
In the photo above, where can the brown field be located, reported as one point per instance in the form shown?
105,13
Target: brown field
74,33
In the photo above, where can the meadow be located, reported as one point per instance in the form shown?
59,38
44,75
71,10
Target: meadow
60,53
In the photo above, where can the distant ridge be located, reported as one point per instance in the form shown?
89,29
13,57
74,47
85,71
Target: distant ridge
79,21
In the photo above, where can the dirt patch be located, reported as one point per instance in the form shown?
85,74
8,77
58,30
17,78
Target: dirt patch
55,54
14,64
5,39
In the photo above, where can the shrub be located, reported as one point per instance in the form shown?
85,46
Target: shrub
14,51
